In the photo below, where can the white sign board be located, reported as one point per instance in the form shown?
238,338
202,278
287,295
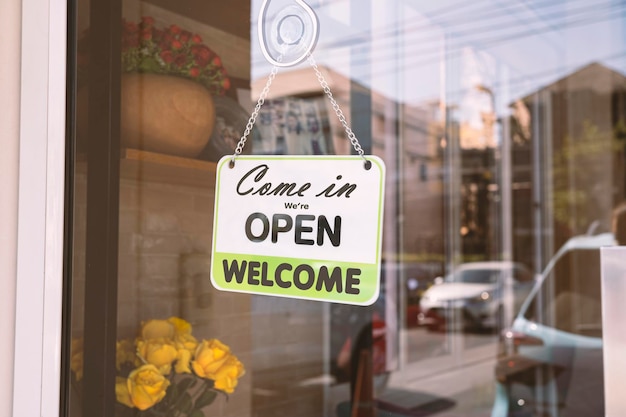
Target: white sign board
613,328
306,227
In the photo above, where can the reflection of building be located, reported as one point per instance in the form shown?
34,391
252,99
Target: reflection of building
566,125
568,159
422,183
418,190
408,140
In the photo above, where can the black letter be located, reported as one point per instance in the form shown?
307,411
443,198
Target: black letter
302,189
350,281
234,269
327,191
266,227
329,282
264,168
335,236
300,229
276,228
296,277
348,188
264,189
265,281
284,187
279,279
253,272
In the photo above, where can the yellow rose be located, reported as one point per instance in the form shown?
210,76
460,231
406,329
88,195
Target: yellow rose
76,358
157,329
187,342
228,374
182,362
209,357
158,352
180,326
121,392
182,334
146,386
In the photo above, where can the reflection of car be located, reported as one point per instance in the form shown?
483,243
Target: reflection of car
417,279
476,294
550,360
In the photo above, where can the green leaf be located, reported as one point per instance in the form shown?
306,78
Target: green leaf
149,64
205,399
197,413
184,404
172,393
184,384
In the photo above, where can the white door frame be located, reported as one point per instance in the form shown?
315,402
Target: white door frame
39,286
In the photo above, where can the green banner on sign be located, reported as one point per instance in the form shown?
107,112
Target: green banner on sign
343,282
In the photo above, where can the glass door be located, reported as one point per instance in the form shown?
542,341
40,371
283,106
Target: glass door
501,128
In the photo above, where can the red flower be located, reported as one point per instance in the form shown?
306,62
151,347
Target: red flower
176,44
184,36
199,61
177,52
166,41
131,27
203,51
157,35
216,61
201,55
167,57
147,20
180,60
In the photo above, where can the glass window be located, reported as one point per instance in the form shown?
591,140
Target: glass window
502,126
522,274
570,296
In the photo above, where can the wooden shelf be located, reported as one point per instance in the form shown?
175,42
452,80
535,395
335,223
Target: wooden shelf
155,167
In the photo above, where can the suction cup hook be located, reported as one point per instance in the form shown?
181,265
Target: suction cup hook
292,36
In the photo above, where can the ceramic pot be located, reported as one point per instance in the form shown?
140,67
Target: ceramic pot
165,114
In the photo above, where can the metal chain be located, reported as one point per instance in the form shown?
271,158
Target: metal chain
338,111
254,115
320,77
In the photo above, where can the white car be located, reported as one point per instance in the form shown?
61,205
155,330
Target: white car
477,294
550,359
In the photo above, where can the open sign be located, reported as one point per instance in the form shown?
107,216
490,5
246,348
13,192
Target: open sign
299,227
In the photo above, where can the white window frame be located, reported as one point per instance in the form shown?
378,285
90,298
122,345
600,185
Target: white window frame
39,286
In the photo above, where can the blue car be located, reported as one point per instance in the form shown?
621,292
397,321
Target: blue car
550,360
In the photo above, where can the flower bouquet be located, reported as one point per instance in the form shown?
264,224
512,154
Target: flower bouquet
147,48
166,371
